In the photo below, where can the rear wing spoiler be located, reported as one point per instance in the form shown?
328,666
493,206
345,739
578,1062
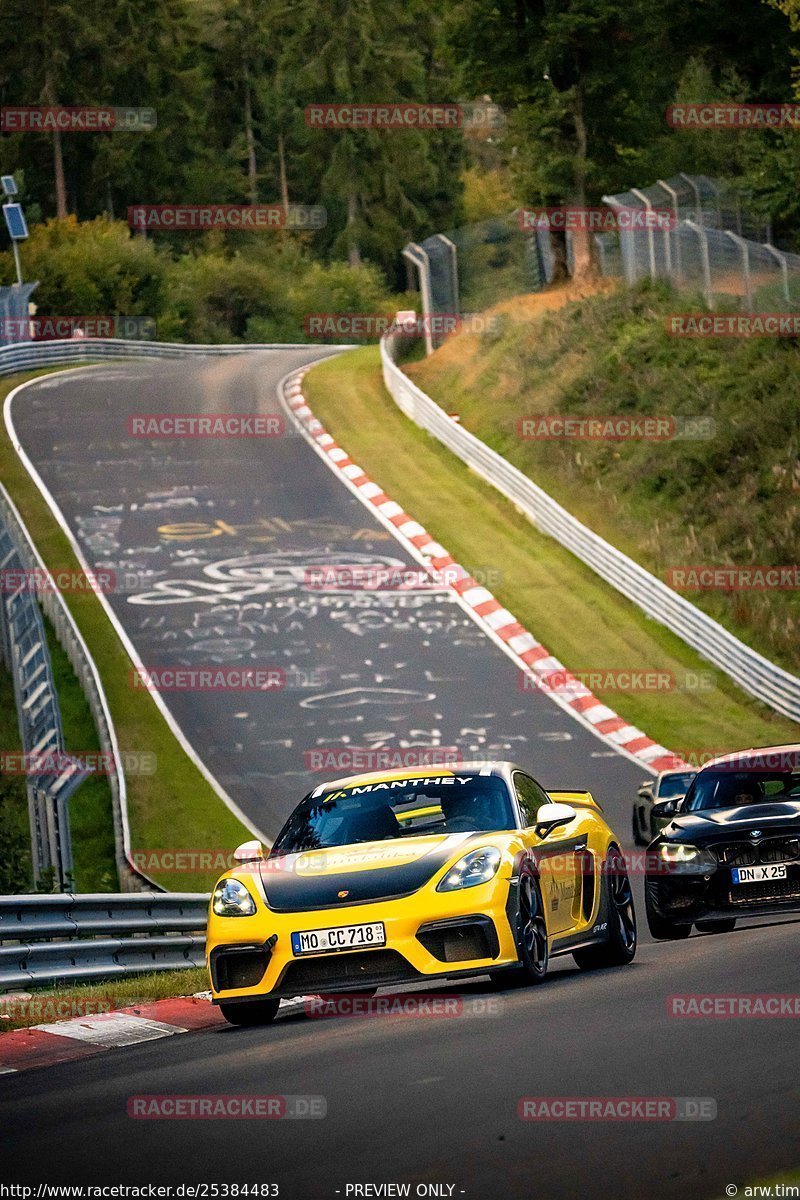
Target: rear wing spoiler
576,799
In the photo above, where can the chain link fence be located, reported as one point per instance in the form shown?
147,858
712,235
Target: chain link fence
469,269
698,233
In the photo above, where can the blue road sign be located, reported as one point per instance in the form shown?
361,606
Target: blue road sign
15,222
9,184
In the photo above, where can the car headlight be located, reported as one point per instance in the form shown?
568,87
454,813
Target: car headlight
679,852
232,899
683,854
479,866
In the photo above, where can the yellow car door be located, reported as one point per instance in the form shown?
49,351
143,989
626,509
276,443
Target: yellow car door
560,856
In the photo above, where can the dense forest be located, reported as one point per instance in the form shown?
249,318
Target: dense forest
583,86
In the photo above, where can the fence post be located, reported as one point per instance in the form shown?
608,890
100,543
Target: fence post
651,249
415,254
454,289
673,195
625,243
703,238
696,193
784,266
742,244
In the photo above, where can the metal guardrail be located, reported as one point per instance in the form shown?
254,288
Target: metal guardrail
23,647
14,303
66,938
31,355
751,671
71,640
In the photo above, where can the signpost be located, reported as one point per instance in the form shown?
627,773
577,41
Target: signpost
15,221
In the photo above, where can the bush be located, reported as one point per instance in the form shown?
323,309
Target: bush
90,269
252,289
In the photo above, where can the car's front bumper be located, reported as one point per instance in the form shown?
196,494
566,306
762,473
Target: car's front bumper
428,935
686,898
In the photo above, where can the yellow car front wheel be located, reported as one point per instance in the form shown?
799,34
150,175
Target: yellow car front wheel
530,935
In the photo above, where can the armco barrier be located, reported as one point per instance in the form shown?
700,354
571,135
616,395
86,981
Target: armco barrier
71,640
30,356
755,674
54,939
23,647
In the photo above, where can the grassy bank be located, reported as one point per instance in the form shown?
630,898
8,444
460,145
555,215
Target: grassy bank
175,808
729,499
583,621
89,999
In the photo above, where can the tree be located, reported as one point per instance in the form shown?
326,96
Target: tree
380,185
45,48
581,81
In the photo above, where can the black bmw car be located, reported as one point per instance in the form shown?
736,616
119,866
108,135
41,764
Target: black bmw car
732,848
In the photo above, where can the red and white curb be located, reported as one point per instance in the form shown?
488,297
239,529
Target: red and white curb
84,1037
495,620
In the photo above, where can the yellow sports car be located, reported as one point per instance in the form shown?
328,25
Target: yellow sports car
402,877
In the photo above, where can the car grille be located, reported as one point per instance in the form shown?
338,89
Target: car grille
337,972
755,893
750,854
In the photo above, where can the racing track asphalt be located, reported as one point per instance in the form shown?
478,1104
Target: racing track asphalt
202,535
411,1100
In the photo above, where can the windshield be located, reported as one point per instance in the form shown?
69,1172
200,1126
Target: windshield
732,789
391,809
675,785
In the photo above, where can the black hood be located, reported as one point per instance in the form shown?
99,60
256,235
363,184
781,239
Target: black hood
360,873
728,824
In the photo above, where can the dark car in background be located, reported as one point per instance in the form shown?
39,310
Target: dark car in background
731,848
669,785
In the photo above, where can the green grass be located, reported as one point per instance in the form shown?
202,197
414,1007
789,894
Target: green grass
174,808
580,619
731,499
89,999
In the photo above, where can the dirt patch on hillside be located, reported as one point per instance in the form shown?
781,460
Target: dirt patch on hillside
459,349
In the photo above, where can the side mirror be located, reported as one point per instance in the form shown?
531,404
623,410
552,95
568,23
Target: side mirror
552,816
249,852
664,809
